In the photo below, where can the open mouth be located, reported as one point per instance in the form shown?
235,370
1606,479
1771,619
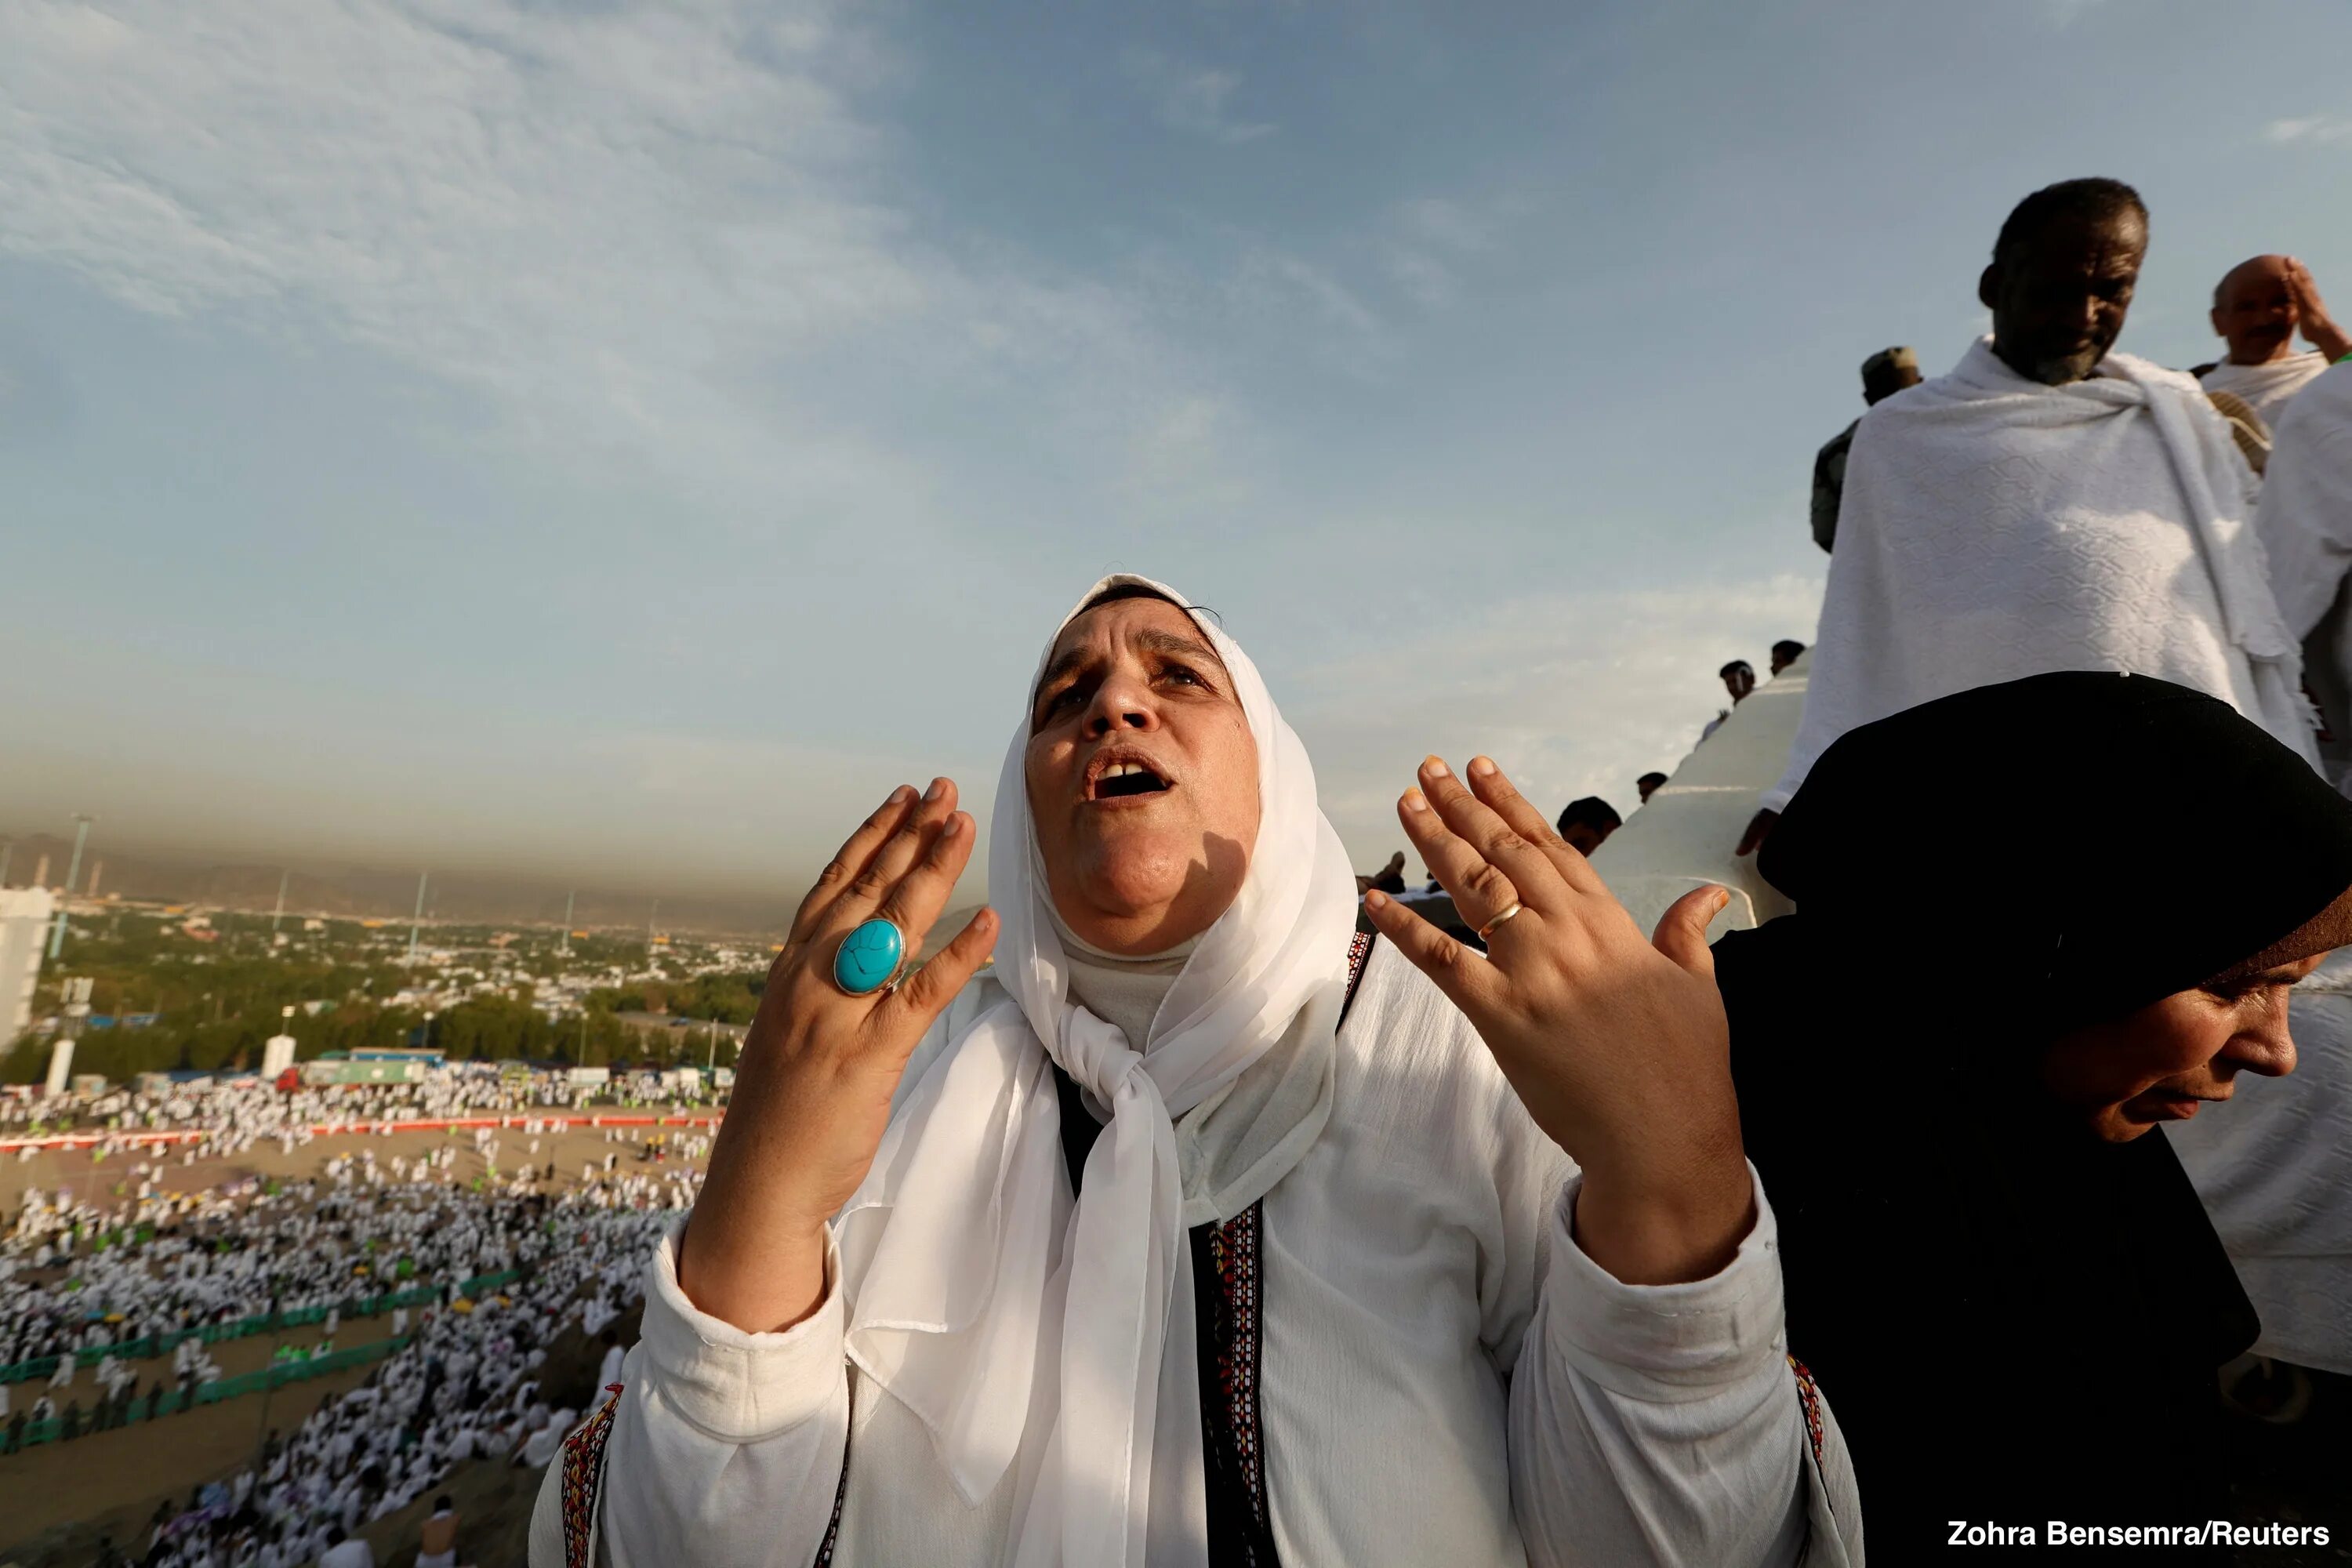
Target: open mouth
1124,778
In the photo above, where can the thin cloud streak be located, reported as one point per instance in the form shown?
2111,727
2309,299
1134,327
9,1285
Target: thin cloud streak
2317,129
1192,100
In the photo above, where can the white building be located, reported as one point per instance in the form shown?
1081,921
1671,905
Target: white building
24,917
277,1055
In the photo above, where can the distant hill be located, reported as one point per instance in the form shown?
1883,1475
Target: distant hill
366,892
376,892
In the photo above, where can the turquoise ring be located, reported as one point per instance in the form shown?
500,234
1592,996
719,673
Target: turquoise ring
868,957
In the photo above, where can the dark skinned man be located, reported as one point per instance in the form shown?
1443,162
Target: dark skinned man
2048,504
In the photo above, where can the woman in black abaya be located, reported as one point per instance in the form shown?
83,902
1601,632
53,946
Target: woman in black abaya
2035,920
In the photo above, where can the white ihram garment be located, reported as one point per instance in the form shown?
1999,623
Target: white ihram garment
2305,523
1995,527
2267,389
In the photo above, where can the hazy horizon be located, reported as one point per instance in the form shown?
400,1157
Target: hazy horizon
614,446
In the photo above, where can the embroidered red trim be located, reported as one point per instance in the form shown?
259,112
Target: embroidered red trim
1809,1395
583,1472
1232,1253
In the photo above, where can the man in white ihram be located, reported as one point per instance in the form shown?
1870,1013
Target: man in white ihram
2049,505
2258,307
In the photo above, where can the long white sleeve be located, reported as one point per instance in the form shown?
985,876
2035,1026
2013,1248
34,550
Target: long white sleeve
1442,1376
726,1448
1658,1424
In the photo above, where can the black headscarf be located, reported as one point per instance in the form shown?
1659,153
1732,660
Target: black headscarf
2014,1320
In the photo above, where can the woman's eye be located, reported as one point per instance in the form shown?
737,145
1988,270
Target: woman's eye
1177,672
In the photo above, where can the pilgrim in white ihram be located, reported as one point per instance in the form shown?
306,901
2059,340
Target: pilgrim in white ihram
1995,527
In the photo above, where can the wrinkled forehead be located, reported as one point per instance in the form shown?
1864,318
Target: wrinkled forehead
1142,622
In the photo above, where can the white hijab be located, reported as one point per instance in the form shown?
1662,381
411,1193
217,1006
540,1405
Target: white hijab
1019,1334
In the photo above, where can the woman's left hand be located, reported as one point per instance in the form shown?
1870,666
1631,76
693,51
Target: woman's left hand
1616,1044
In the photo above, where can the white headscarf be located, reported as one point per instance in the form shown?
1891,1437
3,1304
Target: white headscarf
1014,1332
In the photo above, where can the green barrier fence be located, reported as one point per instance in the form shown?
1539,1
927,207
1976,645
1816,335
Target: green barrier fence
44,1367
277,1376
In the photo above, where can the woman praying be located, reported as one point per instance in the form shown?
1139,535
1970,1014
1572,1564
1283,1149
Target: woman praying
1199,1230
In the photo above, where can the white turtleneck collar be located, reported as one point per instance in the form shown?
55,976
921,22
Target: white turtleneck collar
1123,992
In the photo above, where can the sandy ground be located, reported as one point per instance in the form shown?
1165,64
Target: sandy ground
94,1179
58,1498
98,1476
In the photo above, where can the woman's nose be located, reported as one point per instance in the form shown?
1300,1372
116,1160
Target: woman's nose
1121,704
2268,1050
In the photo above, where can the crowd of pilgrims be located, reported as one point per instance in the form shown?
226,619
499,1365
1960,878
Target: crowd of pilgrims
463,1388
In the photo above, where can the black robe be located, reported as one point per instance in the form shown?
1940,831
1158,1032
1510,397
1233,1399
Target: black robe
2013,1320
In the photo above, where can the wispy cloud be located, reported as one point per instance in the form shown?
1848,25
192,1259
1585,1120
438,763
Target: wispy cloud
1429,241
628,229
2066,12
1194,100
2312,127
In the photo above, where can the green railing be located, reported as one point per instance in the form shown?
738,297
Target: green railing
277,1376
154,1345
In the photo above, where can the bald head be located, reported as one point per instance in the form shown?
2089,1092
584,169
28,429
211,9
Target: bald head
2254,308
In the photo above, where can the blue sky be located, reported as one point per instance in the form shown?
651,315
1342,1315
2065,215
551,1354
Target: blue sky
624,441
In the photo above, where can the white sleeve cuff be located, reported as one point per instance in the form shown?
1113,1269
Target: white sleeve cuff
1665,1343
739,1387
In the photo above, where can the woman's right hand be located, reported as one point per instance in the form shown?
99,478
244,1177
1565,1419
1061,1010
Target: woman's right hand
812,1087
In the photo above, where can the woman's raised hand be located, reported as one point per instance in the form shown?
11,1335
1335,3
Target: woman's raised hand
1616,1044
813,1088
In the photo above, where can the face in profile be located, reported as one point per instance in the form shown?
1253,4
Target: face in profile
2059,299
1142,777
2177,1054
